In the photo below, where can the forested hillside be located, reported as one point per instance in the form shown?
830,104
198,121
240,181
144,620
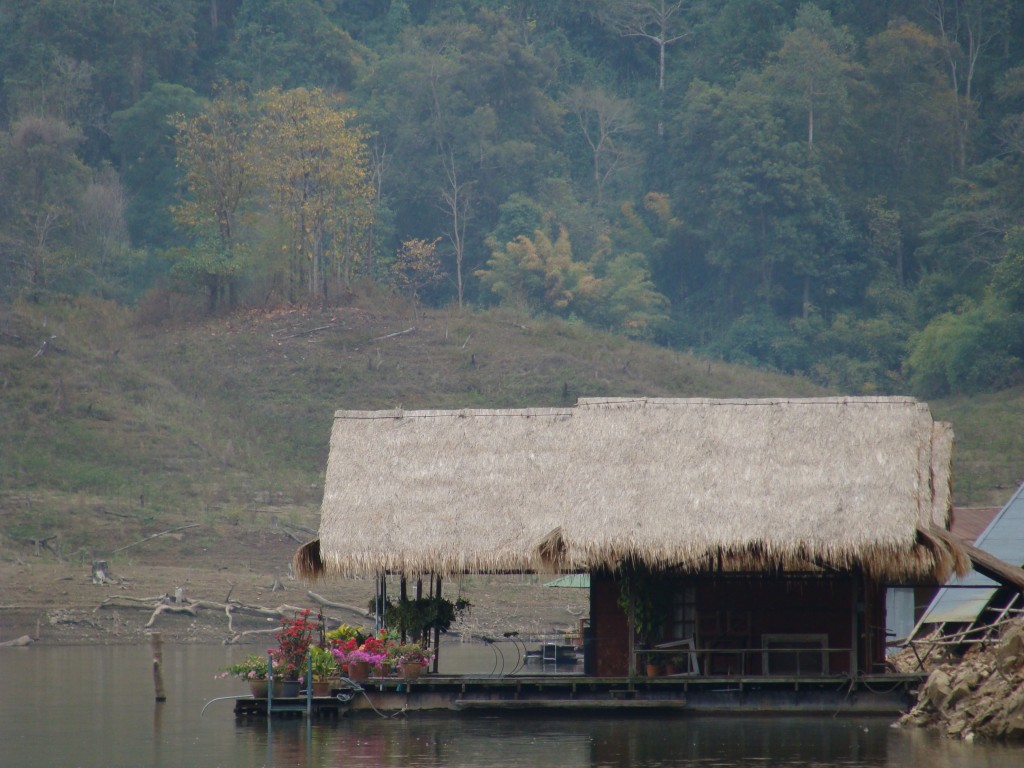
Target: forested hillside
832,189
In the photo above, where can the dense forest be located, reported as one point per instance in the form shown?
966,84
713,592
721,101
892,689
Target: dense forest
832,189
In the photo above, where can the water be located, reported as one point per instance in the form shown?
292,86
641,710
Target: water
94,707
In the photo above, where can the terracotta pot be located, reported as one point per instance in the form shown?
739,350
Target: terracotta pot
359,671
411,671
322,688
653,670
258,688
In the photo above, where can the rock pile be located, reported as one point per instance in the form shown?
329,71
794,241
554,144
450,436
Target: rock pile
982,696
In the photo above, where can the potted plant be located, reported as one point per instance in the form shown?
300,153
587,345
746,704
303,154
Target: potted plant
360,658
652,662
253,670
325,670
293,641
411,659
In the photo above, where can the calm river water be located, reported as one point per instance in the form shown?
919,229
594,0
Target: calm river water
93,707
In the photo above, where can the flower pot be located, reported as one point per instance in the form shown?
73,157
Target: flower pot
322,688
258,688
653,670
411,670
286,689
359,671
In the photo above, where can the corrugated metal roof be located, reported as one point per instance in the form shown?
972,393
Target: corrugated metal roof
970,522
963,598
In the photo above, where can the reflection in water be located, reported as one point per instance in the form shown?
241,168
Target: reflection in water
606,742
93,707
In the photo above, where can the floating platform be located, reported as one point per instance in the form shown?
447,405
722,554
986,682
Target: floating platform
317,707
881,694
836,695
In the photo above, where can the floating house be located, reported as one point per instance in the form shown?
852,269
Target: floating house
749,540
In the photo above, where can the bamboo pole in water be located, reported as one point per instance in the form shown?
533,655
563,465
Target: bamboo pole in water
156,644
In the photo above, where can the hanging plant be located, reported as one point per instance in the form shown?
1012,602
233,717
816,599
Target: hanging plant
650,593
417,617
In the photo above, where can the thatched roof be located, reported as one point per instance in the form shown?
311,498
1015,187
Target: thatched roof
694,483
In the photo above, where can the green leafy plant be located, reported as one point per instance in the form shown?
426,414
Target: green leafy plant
252,667
411,653
324,665
649,595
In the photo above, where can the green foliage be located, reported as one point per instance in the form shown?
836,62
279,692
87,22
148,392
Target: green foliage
416,267
418,617
786,155
649,595
323,663
289,44
613,290
252,667
143,137
979,348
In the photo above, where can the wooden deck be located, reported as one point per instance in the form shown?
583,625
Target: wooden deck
876,695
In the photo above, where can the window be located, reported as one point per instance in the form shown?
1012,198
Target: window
684,613
795,654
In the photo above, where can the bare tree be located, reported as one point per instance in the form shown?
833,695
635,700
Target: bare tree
657,21
457,205
966,27
606,122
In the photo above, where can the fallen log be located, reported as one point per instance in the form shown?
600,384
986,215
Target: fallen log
20,642
325,603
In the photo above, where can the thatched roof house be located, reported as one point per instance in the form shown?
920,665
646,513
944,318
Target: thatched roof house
692,483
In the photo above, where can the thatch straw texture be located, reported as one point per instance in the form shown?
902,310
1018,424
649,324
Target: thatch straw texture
695,483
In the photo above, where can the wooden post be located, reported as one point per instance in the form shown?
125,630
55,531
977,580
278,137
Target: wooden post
631,636
270,685
309,687
854,624
403,596
437,630
156,644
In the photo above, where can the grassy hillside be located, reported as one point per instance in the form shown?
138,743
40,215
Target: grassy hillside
112,429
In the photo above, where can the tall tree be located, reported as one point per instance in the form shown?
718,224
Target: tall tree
967,28
662,23
143,143
906,120
810,69
607,124
292,43
215,151
43,181
314,164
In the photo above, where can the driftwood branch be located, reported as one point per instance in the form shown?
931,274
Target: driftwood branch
325,603
392,335
310,332
165,604
169,608
18,642
155,535
297,527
